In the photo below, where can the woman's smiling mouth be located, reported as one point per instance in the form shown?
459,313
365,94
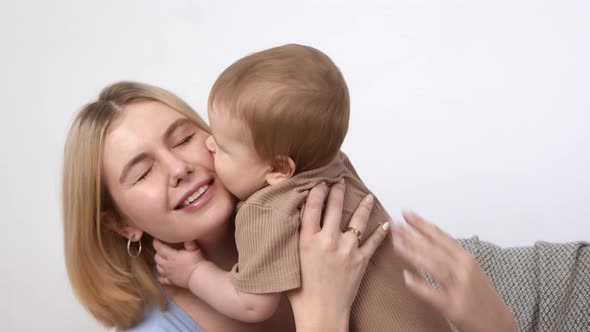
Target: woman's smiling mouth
197,196
194,196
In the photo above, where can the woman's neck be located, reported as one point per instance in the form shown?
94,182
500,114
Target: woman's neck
221,249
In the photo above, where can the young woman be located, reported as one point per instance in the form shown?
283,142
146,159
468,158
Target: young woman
131,160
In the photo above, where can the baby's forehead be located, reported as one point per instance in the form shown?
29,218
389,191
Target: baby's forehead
221,121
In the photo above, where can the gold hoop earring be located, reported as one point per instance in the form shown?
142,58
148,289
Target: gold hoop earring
129,247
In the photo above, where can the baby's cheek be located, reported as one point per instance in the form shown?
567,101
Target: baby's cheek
218,165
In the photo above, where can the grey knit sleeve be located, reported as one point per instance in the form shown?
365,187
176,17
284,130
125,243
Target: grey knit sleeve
547,286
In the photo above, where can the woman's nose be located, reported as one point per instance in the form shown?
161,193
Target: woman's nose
179,169
210,143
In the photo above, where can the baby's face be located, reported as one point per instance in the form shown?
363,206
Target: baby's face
236,162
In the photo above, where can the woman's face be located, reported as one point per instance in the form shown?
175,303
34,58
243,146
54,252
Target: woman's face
161,176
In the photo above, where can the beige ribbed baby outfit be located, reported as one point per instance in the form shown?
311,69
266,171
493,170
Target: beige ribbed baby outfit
267,238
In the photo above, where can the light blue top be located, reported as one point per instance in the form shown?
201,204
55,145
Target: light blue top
173,319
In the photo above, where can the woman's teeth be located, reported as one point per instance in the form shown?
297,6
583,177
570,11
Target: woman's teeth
194,196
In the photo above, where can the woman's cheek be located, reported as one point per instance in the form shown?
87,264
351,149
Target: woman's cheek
148,201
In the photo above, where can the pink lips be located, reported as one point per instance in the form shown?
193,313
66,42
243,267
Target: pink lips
199,202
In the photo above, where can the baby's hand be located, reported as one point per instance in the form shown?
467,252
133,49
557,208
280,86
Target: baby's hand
175,266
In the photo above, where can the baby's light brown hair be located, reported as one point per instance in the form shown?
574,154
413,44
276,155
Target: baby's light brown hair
293,100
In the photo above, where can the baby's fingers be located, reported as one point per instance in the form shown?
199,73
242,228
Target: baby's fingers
163,249
191,245
161,261
164,281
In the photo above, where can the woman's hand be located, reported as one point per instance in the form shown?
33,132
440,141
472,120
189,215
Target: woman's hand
332,263
465,296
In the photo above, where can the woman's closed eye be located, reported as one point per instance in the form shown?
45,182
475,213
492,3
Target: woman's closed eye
185,140
145,174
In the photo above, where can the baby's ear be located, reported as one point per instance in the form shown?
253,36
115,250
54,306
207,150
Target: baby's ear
111,221
282,168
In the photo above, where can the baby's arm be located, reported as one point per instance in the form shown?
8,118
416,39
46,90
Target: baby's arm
188,268
214,286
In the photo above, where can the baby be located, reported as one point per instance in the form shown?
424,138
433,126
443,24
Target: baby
278,118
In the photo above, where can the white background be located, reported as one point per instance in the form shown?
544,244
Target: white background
474,113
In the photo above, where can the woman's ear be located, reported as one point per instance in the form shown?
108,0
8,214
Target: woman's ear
282,169
115,224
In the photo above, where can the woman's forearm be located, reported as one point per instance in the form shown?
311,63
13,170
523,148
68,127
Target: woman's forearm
326,320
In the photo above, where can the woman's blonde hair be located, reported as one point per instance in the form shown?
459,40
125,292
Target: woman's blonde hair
112,285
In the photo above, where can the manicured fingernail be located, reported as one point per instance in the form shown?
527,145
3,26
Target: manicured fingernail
408,277
385,226
341,181
370,198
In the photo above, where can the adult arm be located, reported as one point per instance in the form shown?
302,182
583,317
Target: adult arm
547,286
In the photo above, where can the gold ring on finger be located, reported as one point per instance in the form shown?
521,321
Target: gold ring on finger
355,232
